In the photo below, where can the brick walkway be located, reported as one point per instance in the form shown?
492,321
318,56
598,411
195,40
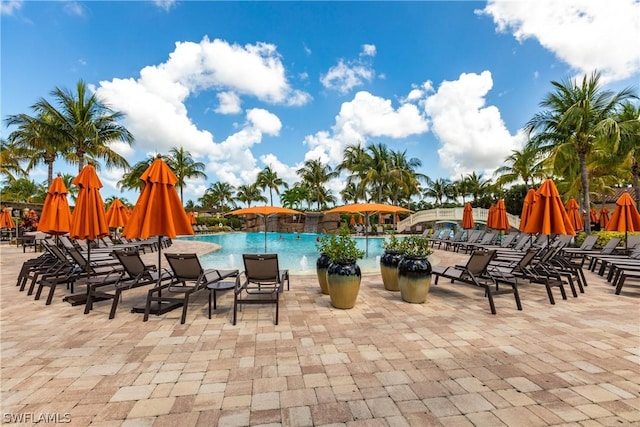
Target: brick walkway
384,363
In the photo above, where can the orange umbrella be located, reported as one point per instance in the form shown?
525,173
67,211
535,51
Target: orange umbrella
117,214
625,217
467,217
500,219
527,206
56,215
264,212
192,218
490,215
360,220
352,220
367,209
89,221
573,210
548,215
5,219
158,211
593,215
604,218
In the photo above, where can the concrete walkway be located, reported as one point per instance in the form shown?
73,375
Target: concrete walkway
447,362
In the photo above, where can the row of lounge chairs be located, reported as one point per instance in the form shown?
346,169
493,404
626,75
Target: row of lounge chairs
111,272
499,268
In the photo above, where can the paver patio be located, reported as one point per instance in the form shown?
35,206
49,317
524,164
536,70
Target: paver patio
447,362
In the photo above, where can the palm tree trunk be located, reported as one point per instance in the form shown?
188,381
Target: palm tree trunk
636,183
585,189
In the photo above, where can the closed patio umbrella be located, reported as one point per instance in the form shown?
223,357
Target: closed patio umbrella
192,218
573,210
6,221
467,217
500,219
56,214
548,215
593,215
367,209
117,214
264,212
625,217
158,212
604,218
490,216
527,206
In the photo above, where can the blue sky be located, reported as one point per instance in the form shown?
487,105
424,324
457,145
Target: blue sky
245,85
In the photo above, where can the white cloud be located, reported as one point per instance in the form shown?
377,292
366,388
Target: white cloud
9,7
348,74
74,8
164,4
264,121
364,117
229,103
473,136
586,34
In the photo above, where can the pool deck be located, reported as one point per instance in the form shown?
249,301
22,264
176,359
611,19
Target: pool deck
447,362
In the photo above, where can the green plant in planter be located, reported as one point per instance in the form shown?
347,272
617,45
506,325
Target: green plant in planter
415,246
340,248
393,244
343,274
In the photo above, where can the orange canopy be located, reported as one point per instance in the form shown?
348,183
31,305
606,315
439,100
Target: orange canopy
490,215
5,219
467,217
192,218
117,214
368,208
573,210
89,221
593,215
527,206
500,219
548,215
158,211
264,211
625,217
604,218
56,215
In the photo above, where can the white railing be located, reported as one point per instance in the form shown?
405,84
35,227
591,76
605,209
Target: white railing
449,214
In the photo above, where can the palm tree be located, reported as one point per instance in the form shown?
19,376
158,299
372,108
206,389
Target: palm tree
404,180
476,186
267,178
84,122
23,190
183,165
293,197
218,195
575,117
315,175
628,147
31,136
439,189
378,169
131,179
250,193
10,157
354,161
521,165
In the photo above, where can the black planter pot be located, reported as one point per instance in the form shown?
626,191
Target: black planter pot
322,264
343,281
389,269
414,279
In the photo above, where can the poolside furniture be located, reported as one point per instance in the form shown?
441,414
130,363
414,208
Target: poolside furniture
188,278
475,273
134,274
263,282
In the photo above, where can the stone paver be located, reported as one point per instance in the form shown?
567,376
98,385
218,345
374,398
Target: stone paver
447,362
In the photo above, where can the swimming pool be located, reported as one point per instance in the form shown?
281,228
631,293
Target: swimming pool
298,255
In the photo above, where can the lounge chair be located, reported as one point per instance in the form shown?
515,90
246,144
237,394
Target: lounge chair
188,278
475,273
263,282
134,274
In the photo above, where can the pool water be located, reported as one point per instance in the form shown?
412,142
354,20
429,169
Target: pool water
296,252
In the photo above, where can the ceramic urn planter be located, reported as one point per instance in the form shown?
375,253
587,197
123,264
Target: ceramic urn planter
389,269
322,264
414,279
343,281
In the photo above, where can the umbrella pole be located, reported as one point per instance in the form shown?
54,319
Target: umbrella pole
264,220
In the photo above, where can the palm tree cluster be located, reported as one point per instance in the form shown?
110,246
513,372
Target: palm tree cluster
585,137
